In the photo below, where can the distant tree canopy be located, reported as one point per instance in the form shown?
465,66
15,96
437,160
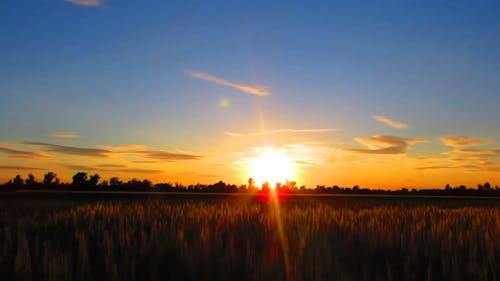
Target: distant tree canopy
31,180
93,180
80,179
84,181
50,178
18,181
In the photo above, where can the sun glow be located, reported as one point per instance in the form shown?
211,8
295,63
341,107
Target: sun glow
272,167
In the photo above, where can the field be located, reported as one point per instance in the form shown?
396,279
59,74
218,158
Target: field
249,238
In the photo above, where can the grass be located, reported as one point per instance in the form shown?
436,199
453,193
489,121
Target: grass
242,239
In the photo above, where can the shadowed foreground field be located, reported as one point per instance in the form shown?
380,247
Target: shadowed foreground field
245,239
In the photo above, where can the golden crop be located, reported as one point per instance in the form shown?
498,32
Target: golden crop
241,240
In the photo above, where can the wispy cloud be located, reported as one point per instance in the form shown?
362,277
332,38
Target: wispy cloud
145,161
168,155
309,153
63,135
64,149
460,141
138,171
279,131
79,167
437,167
209,176
23,153
380,144
301,155
391,122
485,152
152,154
258,91
122,169
89,3
7,167
111,166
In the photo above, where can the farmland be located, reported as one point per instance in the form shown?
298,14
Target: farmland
249,238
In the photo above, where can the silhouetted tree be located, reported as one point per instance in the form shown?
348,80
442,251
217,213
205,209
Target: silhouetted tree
291,184
80,179
265,186
93,180
114,181
219,186
135,184
50,178
147,183
251,183
31,180
18,181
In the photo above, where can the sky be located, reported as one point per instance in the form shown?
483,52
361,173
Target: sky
383,94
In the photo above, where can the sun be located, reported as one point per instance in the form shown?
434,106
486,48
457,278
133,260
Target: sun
271,166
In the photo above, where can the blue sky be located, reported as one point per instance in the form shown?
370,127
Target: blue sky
116,73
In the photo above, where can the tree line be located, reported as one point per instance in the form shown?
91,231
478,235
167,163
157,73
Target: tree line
92,182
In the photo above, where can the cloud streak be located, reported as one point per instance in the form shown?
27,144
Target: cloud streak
137,171
23,153
385,145
484,152
168,155
71,150
88,3
63,135
436,167
460,141
7,167
258,91
301,155
390,122
279,131
111,166
154,155
123,169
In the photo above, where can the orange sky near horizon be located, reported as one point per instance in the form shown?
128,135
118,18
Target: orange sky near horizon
380,94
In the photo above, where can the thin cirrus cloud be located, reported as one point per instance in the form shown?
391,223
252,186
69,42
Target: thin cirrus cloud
305,154
137,171
279,131
79,167
111,166
436,167
72,150
390,122
23,153
168,155
122,169
152,155
258,91
465,146
63,135
387,145
18,168
88,3
479,151
460,141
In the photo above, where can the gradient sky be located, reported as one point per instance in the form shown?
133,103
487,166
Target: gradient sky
376,93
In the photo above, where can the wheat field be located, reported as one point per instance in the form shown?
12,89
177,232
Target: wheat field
252,240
